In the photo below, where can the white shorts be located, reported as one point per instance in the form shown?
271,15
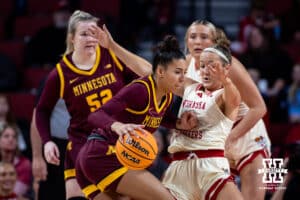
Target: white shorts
197,178
246,147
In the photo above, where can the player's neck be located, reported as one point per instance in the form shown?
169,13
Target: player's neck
159,92
82,61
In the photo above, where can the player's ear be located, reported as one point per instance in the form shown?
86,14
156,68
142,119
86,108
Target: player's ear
160,71
70,38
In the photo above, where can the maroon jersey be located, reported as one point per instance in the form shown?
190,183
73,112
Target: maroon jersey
84,91
135,103
12,196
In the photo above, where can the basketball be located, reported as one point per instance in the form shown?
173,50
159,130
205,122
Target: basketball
137,153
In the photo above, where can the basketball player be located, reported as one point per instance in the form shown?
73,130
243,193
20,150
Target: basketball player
86,78
140,105
248,142
199,154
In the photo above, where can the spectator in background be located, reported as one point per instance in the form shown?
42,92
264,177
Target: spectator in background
257,17
47,46
294,96
8,72
264,54
8,177
9,152
7,116
262,84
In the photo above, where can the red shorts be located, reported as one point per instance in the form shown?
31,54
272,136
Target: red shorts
97,168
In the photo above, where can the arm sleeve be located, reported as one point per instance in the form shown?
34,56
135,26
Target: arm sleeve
47,101
122,100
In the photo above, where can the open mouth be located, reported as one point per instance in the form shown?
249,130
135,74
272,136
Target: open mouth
197,50
205,79
89,46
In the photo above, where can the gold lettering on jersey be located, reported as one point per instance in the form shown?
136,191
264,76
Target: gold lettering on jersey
94,84
111,149
194,104
152,122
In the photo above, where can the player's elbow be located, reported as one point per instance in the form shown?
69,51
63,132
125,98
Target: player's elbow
262,110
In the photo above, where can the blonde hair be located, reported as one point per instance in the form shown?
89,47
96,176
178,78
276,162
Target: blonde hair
218,36
76,17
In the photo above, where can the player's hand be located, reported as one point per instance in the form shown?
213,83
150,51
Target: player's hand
51,153
230,146
126,129
102,35
188,121
39,168
218,72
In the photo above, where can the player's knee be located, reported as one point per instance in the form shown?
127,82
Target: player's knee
77,198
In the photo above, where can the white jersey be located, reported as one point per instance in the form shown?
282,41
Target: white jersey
192,72
214,125
255,139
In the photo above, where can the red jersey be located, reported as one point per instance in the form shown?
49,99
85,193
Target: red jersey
135,103
84,91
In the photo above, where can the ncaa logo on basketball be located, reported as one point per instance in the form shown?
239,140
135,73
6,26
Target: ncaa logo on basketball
273,170
130,157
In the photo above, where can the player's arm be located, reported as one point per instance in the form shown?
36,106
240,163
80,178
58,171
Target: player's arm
47,101
124,99
231,98
39,168
249,94
136,63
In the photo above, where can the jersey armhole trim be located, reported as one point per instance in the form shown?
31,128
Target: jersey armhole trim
62,80
115,59
149,95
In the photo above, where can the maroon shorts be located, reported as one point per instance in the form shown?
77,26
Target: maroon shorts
97,167
72,152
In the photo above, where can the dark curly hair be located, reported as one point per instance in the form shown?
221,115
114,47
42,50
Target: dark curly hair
166,51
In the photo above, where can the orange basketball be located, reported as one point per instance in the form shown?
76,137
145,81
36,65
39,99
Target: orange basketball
137,153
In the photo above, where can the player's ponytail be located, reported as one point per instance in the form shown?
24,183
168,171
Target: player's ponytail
221,38
166,51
